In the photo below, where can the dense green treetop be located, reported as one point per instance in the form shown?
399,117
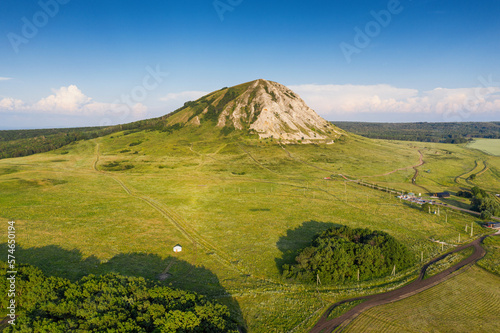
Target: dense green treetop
108,303
338,253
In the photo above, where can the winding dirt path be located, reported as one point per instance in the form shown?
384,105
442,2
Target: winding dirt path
325,326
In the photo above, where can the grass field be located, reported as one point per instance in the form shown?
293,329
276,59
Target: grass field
490,146
239,207
465,303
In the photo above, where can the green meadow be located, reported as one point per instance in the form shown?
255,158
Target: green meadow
490,146
472,290
239,206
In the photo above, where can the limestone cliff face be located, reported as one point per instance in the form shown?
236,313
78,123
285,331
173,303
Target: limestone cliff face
263,107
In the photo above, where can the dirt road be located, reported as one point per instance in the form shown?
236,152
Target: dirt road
324,325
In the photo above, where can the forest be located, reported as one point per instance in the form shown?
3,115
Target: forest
423,131
107,303
345,254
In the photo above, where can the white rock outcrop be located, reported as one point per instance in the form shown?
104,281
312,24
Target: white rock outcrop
273,110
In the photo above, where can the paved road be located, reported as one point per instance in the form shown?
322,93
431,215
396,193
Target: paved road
325,326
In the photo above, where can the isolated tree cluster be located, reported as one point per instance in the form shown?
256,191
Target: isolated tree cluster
484,203
108,303
337,254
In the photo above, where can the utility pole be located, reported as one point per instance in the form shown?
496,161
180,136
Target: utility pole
358,274
422,256
459,237
471,228
318,281
394,271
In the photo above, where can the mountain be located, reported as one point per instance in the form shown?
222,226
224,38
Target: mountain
261,107
264,108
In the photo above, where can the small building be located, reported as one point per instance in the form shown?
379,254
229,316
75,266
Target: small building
492,225
177,248
441,195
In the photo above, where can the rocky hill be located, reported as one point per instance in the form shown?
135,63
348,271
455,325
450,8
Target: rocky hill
266,108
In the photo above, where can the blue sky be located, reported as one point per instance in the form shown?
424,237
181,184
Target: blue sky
77,63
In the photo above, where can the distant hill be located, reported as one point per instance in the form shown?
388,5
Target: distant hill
425,132
264,108
261,107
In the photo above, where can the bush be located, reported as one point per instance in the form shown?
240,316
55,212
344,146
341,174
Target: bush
136,143
464,194
482,201
486,215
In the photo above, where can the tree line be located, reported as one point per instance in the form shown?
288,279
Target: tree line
425,132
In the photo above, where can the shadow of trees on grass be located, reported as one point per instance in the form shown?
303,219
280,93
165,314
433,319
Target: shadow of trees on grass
53,260
297,239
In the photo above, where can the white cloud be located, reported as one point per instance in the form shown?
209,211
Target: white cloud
66,100
11,104
5,78
73,102
449,104
173,101
183,96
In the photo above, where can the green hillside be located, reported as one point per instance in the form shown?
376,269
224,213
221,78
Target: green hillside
240,207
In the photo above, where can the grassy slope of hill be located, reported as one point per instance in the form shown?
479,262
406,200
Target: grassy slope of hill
240,207
425,132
